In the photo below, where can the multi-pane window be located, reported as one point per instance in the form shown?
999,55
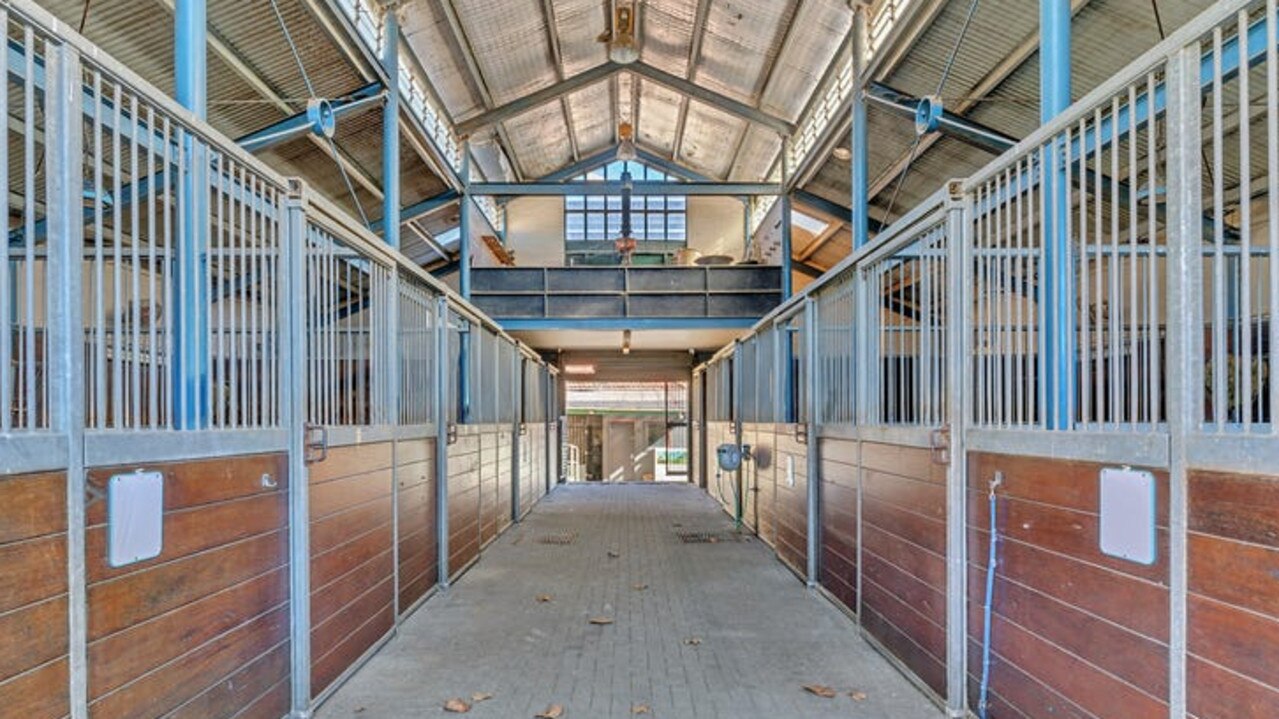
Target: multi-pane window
661,218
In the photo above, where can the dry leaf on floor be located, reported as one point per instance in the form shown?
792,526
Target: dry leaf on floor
456,706
713,540
639,586
544,598
641,709
554,711
693,641
820,690
858,696
613,554
478,697
601,620
360,710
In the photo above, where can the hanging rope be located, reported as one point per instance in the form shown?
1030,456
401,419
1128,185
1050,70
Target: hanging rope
310,89
941,85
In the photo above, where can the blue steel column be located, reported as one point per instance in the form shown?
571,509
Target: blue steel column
464,228
858,142
391,128
1057,370
191,326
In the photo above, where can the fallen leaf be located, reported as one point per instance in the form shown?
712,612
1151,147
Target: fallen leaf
858,696
693,641
554,711
641,709
820,690
601,620
544,598
639,586
359,710
456,706
478,697
613,555
714,540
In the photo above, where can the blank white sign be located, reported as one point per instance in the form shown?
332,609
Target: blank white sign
135,517
1128,514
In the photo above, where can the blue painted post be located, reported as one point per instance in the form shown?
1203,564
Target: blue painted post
464,225
391,128
191,325
1057,369
859,144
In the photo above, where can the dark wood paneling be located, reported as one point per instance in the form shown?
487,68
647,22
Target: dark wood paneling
464,502
352,531
417,540
255,687
1077,633
838,509
360,638
1234,601
33,600
180,627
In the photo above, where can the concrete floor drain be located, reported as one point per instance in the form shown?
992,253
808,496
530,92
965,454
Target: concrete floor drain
561,538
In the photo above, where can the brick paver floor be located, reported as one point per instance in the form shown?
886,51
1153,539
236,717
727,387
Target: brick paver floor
707,629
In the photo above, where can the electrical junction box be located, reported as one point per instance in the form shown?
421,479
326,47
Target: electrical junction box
135,517
1128,514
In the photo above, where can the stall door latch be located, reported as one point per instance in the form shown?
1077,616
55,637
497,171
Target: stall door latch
315,443
940,445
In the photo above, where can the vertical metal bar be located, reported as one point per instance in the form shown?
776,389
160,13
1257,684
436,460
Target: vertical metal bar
135,269
1113,269
27,358
517,398
170,400
153,399
958,227
859,143
294,356
1134,327
6,327
190,61
1244,108
117,296
1185,333
391,384
1104,411
1154,372
64,191
1272,174
440,412
464,227
787,233
391,127
1220,397
813,458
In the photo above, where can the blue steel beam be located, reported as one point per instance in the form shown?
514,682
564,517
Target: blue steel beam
957,126
560,189
300,124
858,141
516,324
581,167
464,231
834,209
421,209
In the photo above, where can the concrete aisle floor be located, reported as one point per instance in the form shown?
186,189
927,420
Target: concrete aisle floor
762,634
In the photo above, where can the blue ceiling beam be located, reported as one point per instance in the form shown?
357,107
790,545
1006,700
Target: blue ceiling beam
560,189
371,95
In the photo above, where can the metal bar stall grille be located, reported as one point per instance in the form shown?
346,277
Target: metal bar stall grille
24,271
1108,181
905,330
348,293
836,310
417,351
1240,121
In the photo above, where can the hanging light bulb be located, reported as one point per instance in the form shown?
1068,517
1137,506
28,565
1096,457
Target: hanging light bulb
626,147
623,48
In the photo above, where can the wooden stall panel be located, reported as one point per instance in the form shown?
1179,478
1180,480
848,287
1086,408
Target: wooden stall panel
1234,596
505,464
838,560
415,481
33,595
760,476
489,485
791,502
352,566
205,624
464,501
904,556
1074,632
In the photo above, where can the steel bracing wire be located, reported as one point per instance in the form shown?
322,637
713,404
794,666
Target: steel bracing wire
310,89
